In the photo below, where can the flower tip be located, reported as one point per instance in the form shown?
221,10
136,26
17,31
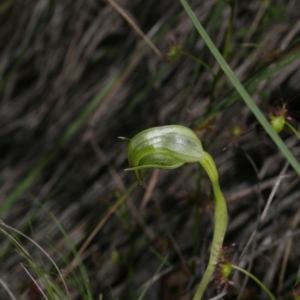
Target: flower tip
124,138
138,174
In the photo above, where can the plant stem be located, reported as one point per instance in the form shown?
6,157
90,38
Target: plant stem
240,88
256,280
198,61
295,132
220,224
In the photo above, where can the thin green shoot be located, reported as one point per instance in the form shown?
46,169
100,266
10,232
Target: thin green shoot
7,289
293,129
81,282
263,287
240,88
152,280
5,228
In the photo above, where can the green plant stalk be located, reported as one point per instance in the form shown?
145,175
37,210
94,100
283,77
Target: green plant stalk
250,84
198,61
293,129
169,147
152,280
240,88
220,224
196,215
256,280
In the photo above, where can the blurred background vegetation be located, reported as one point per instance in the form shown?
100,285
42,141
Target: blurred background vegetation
76,75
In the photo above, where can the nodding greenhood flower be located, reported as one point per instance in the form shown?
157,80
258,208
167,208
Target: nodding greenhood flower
169,147
166,147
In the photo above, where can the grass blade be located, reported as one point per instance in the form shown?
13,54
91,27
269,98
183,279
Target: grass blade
240,88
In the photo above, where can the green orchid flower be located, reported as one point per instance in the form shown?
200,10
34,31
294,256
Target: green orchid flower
169,147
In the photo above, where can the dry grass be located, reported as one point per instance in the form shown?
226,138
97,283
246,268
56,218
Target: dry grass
75,75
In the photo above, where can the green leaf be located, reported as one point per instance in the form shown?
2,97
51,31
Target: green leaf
240,88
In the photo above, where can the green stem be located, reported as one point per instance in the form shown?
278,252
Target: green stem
290,126
220,224
241,90
256,280
199,61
